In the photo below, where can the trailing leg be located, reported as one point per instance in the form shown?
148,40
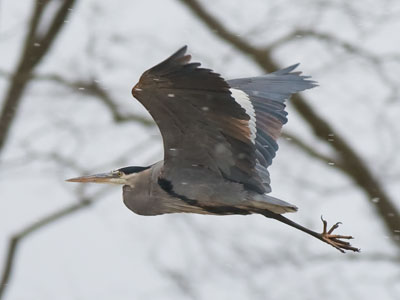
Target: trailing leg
326,236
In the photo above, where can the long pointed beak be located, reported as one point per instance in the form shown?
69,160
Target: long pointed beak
98,178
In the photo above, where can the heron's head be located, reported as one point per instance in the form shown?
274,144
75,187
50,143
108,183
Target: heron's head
119,176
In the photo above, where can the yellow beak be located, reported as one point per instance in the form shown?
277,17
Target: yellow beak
99,178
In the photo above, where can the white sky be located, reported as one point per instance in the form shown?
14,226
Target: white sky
106,251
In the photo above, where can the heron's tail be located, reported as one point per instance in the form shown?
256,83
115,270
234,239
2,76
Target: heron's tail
272,204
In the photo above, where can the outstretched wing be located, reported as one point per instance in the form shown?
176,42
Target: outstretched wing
201,123
266,96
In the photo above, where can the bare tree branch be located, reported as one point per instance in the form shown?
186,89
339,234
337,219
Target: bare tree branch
308,149
84,202
349,47
17,238
91,88
37,45
353,165
94,89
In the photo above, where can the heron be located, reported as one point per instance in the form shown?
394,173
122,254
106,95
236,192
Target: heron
219,137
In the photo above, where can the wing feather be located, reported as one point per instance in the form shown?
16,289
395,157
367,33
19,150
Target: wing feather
268,94
202,124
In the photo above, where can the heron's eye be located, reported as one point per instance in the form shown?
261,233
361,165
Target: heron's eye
117,172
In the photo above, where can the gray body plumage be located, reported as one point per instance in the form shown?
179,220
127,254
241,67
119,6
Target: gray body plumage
147,195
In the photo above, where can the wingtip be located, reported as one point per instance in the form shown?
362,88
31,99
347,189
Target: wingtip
304,78
178,58
293,67
287,70
181,51
181,56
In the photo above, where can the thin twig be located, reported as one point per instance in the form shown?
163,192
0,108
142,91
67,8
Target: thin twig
36,46
94,89
350,48
16,238
308,149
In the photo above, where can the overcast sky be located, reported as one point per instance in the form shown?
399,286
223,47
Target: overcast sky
107,252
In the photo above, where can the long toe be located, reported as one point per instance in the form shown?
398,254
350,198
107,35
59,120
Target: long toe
335,240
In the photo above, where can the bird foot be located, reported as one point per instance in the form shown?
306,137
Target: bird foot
336,240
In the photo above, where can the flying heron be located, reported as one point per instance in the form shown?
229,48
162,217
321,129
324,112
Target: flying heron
220,137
